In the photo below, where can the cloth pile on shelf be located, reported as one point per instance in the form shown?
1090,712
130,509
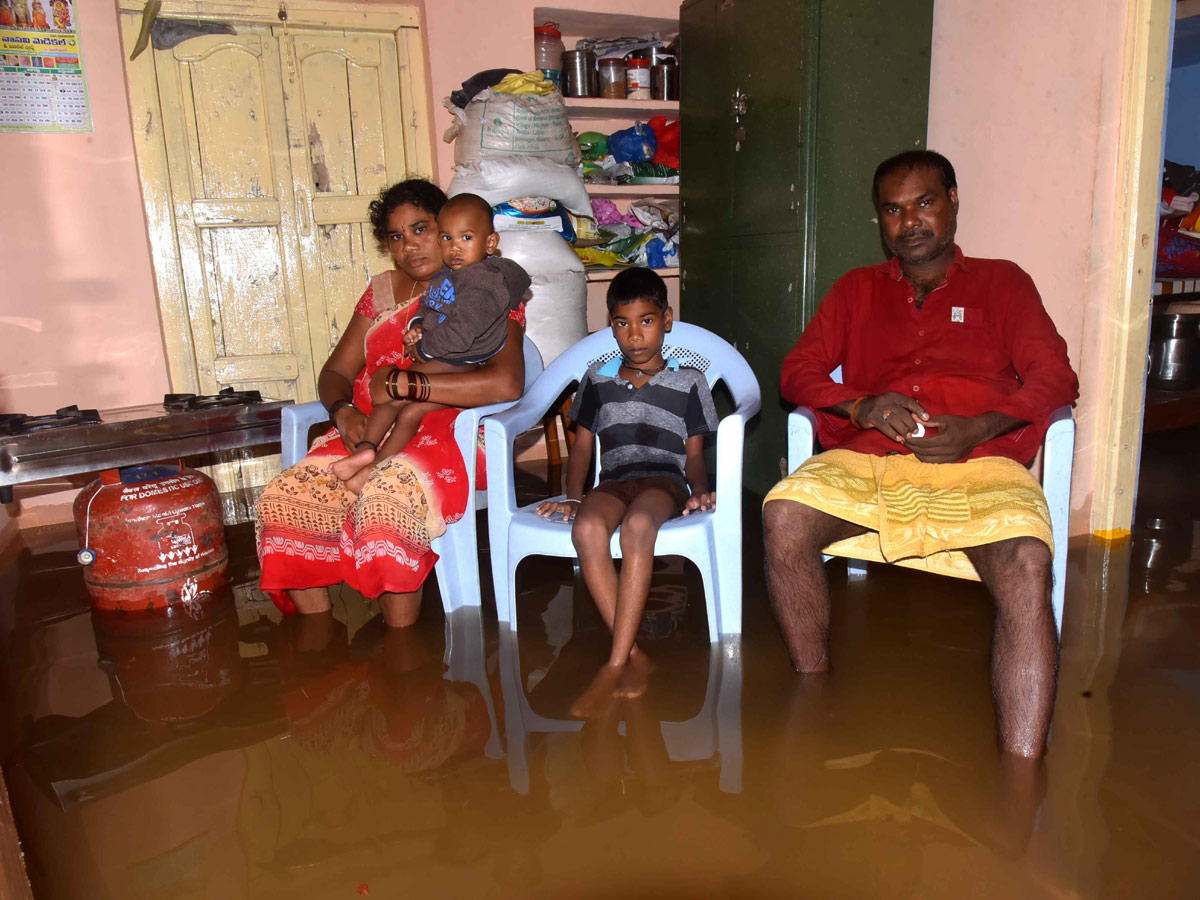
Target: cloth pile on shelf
517,151
646,153
647,235
1179,222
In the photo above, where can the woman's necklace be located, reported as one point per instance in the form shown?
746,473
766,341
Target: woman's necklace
647,372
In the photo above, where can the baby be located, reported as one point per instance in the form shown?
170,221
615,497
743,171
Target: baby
463,322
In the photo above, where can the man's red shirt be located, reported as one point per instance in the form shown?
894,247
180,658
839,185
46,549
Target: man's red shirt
981,342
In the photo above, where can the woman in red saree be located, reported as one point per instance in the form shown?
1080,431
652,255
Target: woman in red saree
311,531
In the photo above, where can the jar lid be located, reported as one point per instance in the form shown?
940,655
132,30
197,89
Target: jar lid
637,63
550,29
612,62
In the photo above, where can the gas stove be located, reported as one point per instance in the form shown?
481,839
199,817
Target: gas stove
74,441
19,423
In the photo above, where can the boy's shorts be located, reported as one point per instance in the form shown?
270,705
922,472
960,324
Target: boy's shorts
626,491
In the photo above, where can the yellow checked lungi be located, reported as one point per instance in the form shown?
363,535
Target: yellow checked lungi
920,515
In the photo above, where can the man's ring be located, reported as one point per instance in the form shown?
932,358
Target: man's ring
886,413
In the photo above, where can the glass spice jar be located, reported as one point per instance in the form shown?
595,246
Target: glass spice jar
612,78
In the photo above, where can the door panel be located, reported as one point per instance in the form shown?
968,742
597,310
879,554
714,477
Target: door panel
231,183
768,50
342,98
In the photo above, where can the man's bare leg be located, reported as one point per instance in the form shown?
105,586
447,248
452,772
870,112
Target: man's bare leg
793,537
1024,643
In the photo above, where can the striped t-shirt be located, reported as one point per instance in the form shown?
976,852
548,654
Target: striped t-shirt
643,431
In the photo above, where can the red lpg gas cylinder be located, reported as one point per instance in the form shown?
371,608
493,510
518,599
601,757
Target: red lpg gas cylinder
149,537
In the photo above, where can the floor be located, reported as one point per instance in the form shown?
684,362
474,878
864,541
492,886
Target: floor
238,756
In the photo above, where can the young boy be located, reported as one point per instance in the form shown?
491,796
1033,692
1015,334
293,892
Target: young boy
462,323
651,415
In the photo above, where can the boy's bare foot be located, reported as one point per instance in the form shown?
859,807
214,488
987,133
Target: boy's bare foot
347,467
634,673
354,484
598,698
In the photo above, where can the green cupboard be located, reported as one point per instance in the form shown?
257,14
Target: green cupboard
786,107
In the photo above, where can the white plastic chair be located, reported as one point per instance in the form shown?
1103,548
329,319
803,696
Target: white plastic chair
713,733
1058,453
712,540
458,548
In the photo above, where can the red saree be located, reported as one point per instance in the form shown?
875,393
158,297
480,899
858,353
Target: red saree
312,532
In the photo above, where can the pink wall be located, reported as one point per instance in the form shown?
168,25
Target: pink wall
1025,101
78,310
78,313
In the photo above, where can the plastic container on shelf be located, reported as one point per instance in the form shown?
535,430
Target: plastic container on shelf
548,52
637,79
612,78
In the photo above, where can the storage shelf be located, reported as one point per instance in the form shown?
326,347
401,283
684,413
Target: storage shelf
633,190
610,272
602,108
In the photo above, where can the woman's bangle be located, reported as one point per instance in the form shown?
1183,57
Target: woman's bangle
569,500
390,384
854,409
337,406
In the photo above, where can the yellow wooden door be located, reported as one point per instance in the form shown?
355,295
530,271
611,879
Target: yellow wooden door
259,153
236,219
342,97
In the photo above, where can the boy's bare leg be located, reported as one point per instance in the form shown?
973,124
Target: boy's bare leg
310,601
378,422
597,519
639,529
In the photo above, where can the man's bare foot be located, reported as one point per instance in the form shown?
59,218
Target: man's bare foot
632,682
351,465
598,698
354,484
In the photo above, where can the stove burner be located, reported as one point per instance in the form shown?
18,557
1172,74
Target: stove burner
19,423
227,397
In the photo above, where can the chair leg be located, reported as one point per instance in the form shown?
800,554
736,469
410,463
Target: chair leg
553,453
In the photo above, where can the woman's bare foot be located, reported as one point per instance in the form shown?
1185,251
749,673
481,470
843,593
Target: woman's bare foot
598,698
634,673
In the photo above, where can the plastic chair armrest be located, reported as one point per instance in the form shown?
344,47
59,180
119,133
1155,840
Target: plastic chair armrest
801,438
294,424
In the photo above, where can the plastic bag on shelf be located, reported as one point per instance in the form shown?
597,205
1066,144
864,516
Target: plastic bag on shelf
667,136
634,144
510,125
499,179
592,145
533,214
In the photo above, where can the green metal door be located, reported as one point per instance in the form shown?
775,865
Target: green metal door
787,107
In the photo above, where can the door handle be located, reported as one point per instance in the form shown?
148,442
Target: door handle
739,104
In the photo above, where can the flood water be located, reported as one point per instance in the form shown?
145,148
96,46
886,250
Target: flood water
237,756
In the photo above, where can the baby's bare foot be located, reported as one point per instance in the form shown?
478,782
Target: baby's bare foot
354,484
598,698
351,465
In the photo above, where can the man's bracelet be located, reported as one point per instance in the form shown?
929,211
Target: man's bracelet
337,406
854,409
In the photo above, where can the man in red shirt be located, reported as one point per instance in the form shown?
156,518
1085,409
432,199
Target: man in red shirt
950,370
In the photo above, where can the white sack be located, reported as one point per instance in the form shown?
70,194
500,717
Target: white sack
500,180
540,253
556,313
500,125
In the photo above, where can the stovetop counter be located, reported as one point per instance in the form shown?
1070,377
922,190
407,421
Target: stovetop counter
134,435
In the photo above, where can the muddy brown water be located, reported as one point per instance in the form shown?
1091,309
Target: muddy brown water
233,755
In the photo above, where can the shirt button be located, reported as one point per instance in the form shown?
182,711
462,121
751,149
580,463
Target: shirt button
916,387
910,299
921,333
917,361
